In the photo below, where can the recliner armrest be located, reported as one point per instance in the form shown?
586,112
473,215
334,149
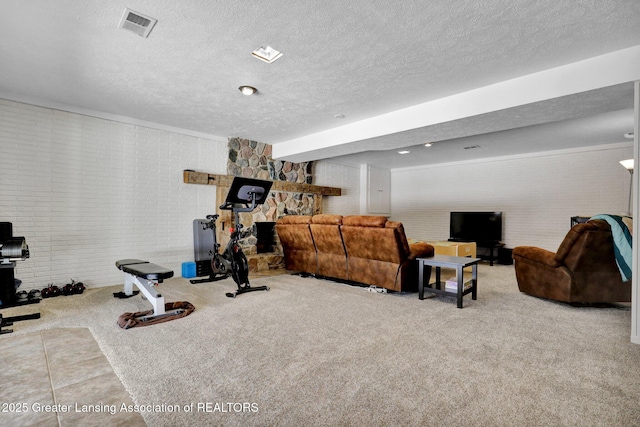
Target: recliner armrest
535,254
420,250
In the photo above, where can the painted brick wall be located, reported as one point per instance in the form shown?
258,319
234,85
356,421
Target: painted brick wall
345,177
86,192
537,194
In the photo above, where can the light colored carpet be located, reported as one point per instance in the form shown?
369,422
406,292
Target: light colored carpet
316,352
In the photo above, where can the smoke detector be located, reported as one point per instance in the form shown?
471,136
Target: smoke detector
137,22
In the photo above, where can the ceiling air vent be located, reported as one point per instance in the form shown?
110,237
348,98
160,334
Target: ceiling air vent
137,22
472,147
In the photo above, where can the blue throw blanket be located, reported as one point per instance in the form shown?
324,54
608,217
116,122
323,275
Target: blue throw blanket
621,243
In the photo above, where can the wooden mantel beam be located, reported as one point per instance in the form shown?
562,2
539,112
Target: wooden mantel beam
203,178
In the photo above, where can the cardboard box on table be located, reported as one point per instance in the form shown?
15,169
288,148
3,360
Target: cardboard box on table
464,249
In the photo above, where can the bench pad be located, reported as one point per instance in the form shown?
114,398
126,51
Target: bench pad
144,269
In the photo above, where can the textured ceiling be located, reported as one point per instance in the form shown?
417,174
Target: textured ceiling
361,58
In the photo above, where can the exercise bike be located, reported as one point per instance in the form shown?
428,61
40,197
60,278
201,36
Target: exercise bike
244,195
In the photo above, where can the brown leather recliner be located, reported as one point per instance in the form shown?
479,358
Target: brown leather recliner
378,253
332,258
297,243
583,270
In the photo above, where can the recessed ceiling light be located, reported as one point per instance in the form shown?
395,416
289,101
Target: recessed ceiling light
629,135
247,90
428,144
267,54
339,116
404,152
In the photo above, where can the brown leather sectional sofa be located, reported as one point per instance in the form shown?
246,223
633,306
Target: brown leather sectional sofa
358,248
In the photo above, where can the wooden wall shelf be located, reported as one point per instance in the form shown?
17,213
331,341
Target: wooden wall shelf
203,178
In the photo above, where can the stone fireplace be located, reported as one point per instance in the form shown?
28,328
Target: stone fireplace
292,193
253,159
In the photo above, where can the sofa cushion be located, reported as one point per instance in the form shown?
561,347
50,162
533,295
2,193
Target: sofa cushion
327,219
400,235
332,259
294,219
375,253
297,243
421,250
535,254
572,237
364,220
371,243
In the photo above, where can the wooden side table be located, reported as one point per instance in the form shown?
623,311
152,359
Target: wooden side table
457,263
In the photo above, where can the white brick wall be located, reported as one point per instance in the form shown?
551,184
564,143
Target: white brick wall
537,194
86,192
347,178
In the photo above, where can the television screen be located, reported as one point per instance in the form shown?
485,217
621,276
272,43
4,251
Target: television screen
476,226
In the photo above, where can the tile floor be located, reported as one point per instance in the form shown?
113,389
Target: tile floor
45,373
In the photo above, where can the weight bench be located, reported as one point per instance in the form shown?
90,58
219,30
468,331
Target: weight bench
146,276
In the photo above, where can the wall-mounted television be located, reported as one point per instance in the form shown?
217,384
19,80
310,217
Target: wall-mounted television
475,227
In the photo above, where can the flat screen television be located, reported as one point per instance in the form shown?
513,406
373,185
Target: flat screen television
475,226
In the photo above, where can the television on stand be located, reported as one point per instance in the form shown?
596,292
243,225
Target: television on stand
484,228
